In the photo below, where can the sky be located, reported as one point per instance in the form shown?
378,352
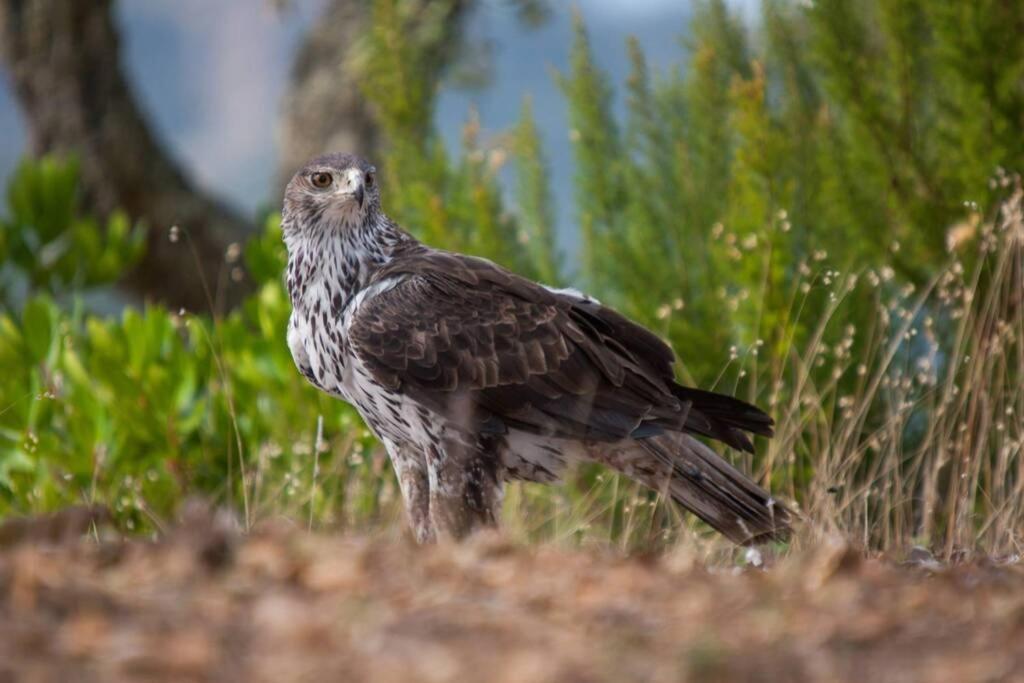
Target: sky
211,76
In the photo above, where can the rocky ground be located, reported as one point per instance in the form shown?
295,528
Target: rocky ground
208,604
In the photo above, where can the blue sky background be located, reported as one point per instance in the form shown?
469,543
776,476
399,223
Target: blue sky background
211,76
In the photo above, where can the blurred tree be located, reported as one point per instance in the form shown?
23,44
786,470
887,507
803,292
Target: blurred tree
64,61
326,110
828,136
323,109
536,206
448,200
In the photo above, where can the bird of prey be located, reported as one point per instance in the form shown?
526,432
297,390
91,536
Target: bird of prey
472,376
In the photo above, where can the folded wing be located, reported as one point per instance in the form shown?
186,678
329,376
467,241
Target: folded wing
461,333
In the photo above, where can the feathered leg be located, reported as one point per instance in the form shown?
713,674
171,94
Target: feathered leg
413,479
465,487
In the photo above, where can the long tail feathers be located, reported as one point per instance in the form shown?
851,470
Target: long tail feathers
722,417
705,484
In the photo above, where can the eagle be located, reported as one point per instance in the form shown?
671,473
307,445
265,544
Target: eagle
472,376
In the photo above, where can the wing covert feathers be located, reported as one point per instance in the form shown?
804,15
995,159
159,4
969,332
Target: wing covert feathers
534,359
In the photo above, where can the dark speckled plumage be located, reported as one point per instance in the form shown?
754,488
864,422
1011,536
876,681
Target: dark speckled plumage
472,375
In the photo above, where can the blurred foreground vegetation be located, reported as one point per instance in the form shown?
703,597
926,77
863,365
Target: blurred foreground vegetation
822,215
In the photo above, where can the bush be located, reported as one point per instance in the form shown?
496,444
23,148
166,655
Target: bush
45,244
142,410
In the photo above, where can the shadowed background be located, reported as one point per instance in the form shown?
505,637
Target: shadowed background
212,77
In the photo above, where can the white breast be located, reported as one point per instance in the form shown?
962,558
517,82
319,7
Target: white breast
312,346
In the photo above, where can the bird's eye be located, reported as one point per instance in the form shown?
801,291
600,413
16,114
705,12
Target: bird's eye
320,180
370,179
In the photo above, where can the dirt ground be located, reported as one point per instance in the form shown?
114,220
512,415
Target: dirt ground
208,604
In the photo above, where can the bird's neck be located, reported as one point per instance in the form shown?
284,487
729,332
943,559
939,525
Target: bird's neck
329,265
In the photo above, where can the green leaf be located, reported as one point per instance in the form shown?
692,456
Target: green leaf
39,320
14,460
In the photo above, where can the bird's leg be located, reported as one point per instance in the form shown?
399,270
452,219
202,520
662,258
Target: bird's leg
465,488
411,470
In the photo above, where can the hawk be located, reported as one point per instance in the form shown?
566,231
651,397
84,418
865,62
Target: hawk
471,375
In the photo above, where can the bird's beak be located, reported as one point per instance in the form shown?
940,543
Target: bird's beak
355,185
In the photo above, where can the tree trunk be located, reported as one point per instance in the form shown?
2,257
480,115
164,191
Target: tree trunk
64,61
325,110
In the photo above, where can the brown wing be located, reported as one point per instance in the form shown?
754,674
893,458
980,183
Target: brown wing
460,333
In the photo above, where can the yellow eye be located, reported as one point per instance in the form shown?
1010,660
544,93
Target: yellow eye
320,180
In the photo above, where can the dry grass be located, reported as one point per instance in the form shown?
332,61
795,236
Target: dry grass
928,447
914,439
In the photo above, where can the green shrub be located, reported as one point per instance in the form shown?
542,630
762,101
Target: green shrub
46,245
142,410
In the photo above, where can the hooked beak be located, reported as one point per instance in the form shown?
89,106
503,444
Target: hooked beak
354,185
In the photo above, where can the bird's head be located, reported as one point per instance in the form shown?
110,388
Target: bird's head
335,189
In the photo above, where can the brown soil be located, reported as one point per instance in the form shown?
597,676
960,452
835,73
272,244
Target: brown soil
208,604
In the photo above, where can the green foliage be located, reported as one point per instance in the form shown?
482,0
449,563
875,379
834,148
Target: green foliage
832,145
48,245
598,151
455,203
141,410
536,207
